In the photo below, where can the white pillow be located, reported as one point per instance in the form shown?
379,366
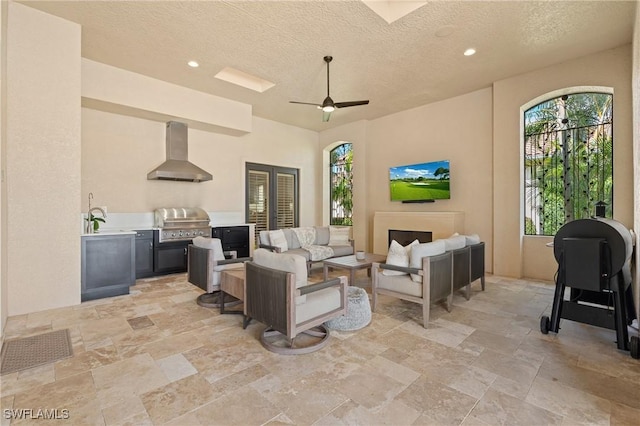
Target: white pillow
472,239
212,244
398,256
454,243
423,250
278,239
339,236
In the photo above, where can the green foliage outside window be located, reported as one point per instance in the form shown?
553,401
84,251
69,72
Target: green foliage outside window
568,160
341,185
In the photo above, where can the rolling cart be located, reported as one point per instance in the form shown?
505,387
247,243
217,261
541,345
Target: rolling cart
594,261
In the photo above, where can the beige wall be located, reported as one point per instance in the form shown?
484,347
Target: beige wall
3,149
118,151
517,256
457,129
42,161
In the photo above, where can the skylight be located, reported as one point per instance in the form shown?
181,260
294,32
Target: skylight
392,10
234,76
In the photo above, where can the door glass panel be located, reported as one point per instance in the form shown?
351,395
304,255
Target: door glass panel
258,201
286,200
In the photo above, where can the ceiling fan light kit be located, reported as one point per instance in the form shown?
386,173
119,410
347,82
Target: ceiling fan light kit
328,106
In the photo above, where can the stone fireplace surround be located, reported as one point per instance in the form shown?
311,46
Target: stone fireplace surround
440,224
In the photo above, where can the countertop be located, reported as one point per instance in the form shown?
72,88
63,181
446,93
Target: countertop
109,232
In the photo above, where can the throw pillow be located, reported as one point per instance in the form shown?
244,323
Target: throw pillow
423,250
212,244
398,256
339,236
278,239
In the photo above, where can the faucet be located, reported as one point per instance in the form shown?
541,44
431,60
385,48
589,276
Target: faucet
89,228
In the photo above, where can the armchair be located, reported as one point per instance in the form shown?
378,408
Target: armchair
277,294
206,260
428,284
477,263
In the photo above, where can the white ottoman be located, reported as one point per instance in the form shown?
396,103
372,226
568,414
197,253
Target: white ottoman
358,311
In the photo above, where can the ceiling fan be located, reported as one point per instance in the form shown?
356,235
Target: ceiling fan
327,106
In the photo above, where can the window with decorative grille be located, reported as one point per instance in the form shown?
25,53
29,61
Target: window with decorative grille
341,185
568,160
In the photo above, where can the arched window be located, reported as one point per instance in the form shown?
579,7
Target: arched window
341,185
568,161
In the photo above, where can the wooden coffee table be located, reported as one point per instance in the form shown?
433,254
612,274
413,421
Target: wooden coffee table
352,264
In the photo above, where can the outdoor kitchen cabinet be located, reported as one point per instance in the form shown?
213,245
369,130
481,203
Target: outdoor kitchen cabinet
233,238
144,253
108,265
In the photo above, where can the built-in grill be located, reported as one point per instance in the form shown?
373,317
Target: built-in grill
181,224
176,227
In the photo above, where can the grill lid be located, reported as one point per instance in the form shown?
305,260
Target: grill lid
180,217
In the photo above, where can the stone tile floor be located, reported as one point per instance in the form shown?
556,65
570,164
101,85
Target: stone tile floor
156,357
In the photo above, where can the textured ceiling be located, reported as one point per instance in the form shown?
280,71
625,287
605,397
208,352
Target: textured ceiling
396,66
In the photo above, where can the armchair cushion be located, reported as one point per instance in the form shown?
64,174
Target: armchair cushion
423,250
318,303
284,262
213,244
400,283
339,236
278,239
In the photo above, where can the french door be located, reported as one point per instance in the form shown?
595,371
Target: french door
271,197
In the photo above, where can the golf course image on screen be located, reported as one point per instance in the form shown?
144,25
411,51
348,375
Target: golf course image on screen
419,182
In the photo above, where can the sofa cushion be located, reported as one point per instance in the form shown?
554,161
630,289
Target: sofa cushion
292,239
278,239
284,262
455,242
213,244
423,250
342,250
322,236
339,235
398,256
472,239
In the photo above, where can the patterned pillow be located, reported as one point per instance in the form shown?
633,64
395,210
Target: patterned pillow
398,256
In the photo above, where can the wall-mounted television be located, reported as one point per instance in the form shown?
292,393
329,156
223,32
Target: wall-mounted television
422,182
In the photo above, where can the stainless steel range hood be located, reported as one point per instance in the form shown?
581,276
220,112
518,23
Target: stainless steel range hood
177,167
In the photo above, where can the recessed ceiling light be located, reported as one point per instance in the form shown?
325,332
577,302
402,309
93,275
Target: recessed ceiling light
193,64
470,51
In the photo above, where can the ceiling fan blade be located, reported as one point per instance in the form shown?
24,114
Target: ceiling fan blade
325,116
305,103
350,104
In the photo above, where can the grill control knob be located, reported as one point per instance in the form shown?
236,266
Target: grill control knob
173,234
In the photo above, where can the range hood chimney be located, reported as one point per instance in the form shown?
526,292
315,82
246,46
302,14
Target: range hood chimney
177,167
